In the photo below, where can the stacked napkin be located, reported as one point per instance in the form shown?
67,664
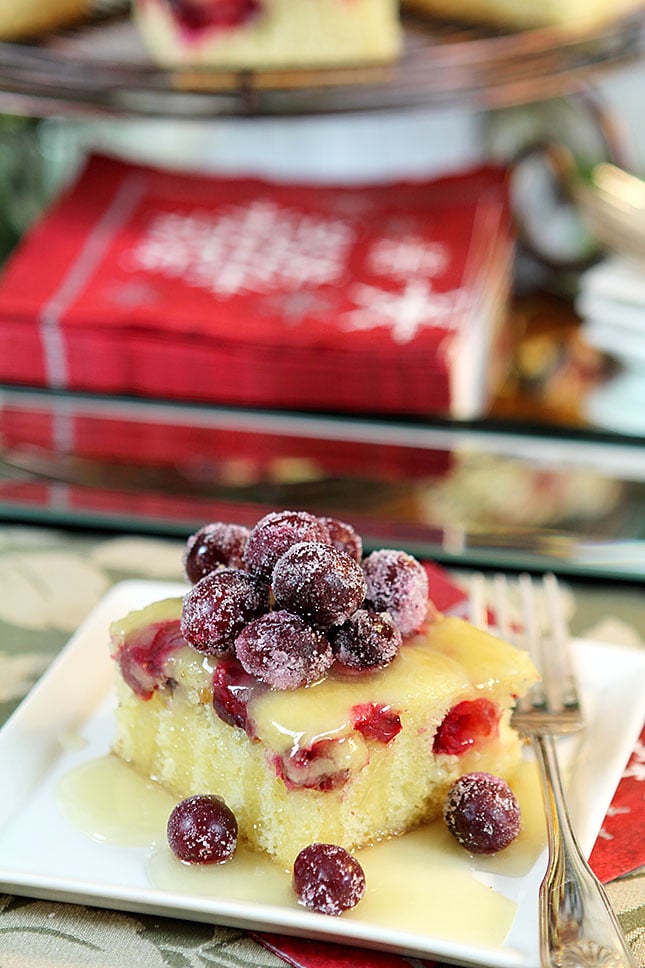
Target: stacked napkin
379,299
611,303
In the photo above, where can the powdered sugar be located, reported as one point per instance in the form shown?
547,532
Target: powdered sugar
218,607
367,640
397,583
281,650
274,534
319,582
482,813
216,545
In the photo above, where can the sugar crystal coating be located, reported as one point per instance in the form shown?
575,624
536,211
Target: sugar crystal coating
482,813
344,537
397,583
319,582
326,878
281,650
215,545
202,829
274,534
218,607
367,640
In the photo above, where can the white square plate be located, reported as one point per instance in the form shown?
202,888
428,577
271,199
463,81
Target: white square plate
43,855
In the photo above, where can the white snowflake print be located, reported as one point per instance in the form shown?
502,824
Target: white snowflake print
406,312
295,307
260,247
635,770
636,767
612,812
407,256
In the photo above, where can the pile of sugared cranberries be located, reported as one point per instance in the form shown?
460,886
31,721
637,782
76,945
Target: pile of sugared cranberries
482,813
292,595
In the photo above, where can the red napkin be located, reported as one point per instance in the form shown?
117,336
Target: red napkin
321,954
620,846
381,298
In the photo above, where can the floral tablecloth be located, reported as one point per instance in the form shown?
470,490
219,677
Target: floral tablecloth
49,581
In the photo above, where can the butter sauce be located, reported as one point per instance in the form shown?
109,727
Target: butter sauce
422,882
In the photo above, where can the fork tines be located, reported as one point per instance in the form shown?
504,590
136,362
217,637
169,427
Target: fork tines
533,619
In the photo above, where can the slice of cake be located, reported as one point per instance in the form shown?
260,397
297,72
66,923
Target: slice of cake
575,16
31,17
316,690
258,34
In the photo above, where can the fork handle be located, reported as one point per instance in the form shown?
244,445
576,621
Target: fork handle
577,924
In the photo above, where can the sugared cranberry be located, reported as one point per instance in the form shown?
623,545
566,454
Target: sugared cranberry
367,640
202,830
376,721
319,582
482,813
194,16
397,583
233,689
274,534
144,654
218,607
281,650
344,537
216,545
326,878
468,722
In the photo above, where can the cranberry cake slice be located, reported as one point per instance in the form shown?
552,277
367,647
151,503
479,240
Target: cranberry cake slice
315,690
260,34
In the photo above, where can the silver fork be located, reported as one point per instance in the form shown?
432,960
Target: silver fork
578,928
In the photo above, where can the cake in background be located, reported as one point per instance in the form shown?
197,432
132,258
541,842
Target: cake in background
569,16
269,33
28,18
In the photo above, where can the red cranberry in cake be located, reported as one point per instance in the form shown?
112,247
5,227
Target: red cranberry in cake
202,830
367,640
143,645
319,582
218,607
344,537
482,813
216,545
377,721
281,650
326,878
274,534
233,690
143,657
198,15
325,765
467,723
397,583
